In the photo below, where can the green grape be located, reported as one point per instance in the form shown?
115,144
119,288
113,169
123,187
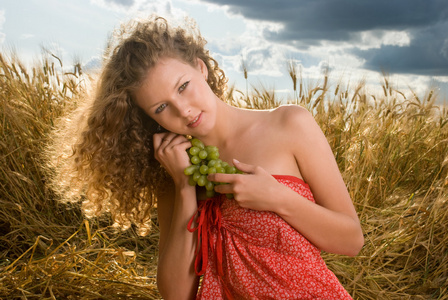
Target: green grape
211,163
220,170
195,160
209,186
196,176
230,169
203,169
190,169
205,160
202,154
197,143
213,155
202,180
194,150
211,149
191,181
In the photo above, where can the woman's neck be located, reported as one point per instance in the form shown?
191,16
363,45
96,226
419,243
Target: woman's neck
230,121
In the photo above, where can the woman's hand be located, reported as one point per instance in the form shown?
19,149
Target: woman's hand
170,151
256,189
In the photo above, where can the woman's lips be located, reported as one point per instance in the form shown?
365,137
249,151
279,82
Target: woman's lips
196,121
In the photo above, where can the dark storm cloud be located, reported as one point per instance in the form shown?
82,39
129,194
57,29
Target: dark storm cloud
309,22
426,55
338,19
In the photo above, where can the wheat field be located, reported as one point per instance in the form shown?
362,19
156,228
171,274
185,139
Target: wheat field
391,147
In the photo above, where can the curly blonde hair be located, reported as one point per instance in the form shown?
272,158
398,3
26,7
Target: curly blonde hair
111,167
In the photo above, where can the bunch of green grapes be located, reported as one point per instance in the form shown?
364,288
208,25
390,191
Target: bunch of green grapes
205,160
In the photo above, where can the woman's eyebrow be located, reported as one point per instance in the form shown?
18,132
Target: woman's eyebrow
178,81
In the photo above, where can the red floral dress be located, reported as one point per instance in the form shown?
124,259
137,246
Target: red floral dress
248,254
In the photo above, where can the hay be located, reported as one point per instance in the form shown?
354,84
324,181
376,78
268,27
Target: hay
81,270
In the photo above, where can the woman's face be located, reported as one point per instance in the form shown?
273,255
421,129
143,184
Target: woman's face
177,96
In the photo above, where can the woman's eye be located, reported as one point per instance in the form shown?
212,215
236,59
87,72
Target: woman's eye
160,108
183,86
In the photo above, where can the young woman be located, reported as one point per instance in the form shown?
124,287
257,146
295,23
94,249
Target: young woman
158,86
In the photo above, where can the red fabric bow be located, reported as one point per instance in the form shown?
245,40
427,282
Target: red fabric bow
208,216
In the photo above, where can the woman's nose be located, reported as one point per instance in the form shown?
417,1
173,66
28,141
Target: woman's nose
184,110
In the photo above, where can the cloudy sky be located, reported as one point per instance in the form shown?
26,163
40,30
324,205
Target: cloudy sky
355,39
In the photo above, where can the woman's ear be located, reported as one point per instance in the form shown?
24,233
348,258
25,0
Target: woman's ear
202,67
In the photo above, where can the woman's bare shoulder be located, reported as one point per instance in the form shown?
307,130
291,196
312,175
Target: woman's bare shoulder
298,127
292,116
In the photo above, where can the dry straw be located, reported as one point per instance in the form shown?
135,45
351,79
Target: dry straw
391,150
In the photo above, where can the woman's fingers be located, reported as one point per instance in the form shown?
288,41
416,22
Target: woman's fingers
170,150
159,139
253,189
246,168
169,139
224,188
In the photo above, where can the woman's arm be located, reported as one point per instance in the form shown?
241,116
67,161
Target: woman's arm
331,223
176,204
333,228
176,278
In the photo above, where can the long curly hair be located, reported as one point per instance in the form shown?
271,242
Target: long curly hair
111,165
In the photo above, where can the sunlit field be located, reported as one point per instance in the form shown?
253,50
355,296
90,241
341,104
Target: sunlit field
391,147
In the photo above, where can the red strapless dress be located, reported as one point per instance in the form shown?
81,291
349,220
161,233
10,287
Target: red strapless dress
248,254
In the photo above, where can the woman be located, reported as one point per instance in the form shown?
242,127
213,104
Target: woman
160,85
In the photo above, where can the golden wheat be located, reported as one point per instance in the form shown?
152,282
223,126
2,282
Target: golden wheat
391,150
